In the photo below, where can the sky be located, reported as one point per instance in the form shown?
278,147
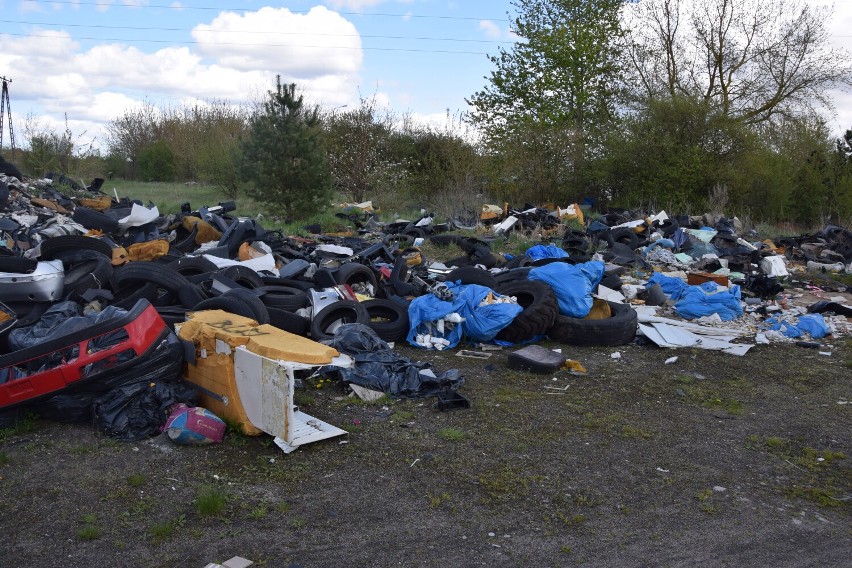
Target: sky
92,60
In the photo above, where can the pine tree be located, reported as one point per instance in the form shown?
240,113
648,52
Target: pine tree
284,157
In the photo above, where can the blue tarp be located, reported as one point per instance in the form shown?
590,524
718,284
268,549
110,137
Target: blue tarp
703,300
697,301
481,323
572,284
812,324
538,252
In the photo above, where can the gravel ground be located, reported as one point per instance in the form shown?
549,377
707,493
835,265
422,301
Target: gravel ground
715,460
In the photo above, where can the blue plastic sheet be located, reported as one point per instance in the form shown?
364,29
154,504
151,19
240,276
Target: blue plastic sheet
572,284
672,287
812,324
704,300
481,323
538,252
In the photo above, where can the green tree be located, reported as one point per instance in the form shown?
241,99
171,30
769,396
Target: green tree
358,151
750,59
285,158
157,162
558,89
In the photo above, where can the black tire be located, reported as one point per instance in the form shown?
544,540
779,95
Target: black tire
27,312
84,270
354,274
626,236
518,261
388,319
398,239
230,304
74,243
187,244
17,264
611,280
127,295
668,227
512,275
620,329
190,295
282,297
172,315
288,321
540,310
472,275
162,275
243,276
92,219
303,285
347,311
10,169
193,265
261,314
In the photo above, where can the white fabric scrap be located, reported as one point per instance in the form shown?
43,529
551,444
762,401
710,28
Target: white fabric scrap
139,215
259,264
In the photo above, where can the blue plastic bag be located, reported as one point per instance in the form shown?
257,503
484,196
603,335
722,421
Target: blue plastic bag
812,324
423,312
699,301
672,287
538,252
481,323
572,284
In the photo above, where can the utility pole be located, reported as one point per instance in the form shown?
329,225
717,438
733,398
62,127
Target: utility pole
6,105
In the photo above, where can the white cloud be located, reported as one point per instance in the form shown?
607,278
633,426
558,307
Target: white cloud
491,29
317,43
355,5
54,74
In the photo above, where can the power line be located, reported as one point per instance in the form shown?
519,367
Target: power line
190,42
222,9
251,32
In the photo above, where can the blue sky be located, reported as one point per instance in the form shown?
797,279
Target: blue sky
93,59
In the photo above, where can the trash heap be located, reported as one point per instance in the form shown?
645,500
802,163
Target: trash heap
96,289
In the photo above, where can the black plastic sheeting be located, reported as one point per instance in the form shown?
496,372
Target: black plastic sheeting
130,404
380,368
60,320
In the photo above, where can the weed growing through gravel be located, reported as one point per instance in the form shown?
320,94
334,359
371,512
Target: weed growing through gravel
210,502
4,459
452,434
136,480
24,426
257,513
89,530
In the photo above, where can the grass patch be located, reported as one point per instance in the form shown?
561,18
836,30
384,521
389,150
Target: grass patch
162,531
822,478
297,524
452,434
435,500
505,482
210,502
4,459
257,513
25,425
89,532
136,480
402,416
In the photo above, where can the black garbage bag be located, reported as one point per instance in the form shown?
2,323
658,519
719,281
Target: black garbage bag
60,319
137,410
73,408
380,368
